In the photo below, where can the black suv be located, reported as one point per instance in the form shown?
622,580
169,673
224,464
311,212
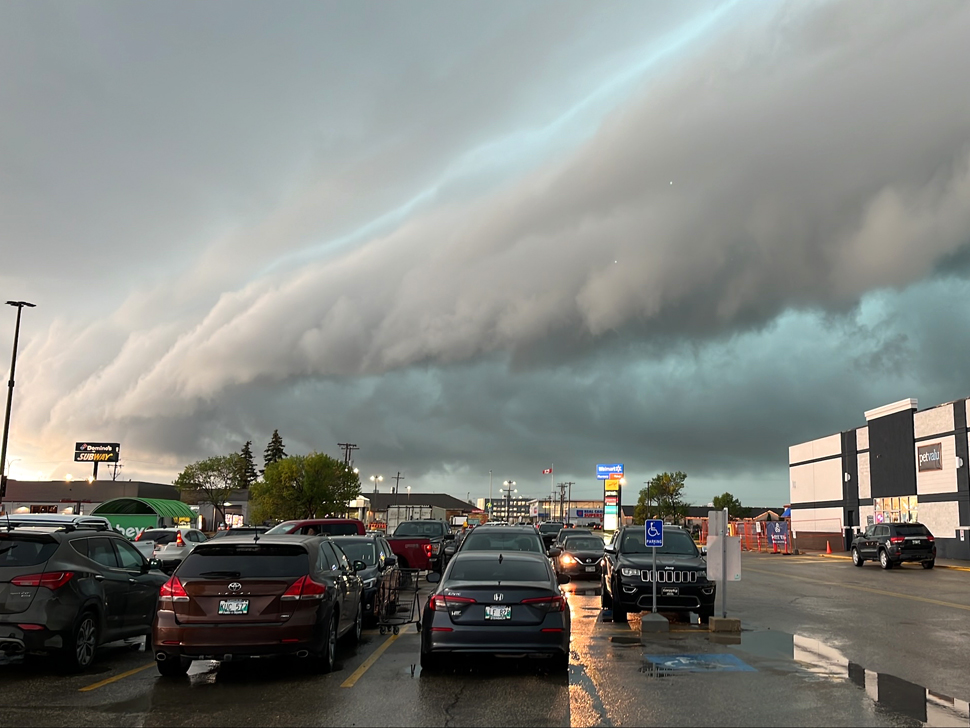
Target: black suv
681,576
894,543
549,530
66,587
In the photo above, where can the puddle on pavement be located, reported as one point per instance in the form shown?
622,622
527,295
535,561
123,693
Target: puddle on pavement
818,660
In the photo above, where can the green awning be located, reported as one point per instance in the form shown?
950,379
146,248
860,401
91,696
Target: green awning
145,506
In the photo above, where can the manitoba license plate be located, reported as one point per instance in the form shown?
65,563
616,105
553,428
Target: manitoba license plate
501,612
234,606
917,542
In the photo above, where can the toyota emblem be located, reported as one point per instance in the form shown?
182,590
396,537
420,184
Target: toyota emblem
235,586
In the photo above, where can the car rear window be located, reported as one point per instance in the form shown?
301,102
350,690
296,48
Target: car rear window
911,529
161,537
550,528
414,528
249,560
493,570
584,543
18,551
502,541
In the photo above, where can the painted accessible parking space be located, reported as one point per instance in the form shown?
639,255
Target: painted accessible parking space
700,663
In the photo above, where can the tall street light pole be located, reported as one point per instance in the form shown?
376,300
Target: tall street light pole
376,479
509,490
6,420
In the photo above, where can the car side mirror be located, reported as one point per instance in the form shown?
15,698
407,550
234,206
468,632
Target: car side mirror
610,548
145,567
553,552
562,578
390,561
704,550
359,566
154,563
434,577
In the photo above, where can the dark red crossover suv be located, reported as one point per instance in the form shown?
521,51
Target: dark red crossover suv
241,597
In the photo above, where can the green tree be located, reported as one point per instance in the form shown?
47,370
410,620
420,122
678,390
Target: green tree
274,451
249,474
662,498
211,481
300,486
726,500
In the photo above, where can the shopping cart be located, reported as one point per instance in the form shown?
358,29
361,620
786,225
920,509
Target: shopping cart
398,601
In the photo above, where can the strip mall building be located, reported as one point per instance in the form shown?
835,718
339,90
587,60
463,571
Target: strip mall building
903,465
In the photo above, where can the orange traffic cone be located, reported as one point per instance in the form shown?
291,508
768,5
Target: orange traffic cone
775,544
828,547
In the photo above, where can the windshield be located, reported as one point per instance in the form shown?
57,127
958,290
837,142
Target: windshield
492,571
675,542
358,550
419,528
583,543
502,541
550,527
249,560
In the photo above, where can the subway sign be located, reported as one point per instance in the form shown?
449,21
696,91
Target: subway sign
96,452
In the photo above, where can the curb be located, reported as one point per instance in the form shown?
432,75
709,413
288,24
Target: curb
938,565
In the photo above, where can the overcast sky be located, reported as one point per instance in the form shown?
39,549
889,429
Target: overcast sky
475,237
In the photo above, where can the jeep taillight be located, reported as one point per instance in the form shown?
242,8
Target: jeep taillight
897,539
50,579
173,589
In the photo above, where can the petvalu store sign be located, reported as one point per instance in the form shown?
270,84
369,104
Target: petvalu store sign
96,452
930,457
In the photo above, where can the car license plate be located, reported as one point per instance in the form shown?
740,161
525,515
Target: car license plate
917,542
500,612
670,591
234,606
590,568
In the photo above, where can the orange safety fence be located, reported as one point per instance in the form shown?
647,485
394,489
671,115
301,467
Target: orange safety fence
760,536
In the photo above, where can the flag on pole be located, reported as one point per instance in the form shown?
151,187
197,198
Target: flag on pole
547,471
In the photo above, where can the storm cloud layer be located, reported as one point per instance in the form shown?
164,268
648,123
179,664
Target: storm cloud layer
668,254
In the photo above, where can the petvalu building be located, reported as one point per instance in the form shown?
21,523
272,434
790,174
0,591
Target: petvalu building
903,465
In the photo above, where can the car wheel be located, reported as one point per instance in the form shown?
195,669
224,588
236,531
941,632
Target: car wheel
79,653
928,564
856,558
619,614
175,666
705,615
560,663
884,560
606,601
353,636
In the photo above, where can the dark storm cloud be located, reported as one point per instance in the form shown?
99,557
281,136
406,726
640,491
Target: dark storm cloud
634,291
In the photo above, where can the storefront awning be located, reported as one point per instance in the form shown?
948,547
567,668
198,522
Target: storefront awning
145,506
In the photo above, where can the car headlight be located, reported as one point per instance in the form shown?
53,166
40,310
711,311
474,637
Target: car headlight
368,583
567,559
627,571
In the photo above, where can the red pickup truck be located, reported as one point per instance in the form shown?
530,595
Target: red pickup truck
418,544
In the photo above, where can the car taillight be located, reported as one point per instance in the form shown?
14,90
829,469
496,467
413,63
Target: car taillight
49,579
173,589
897,539
930,539
178,539
304,588
140,534
440,602
552,604
429,549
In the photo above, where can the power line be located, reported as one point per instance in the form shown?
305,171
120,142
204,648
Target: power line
398,478
348,449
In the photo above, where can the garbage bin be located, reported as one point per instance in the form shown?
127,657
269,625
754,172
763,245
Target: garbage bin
847,536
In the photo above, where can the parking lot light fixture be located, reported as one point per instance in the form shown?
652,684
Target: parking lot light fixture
376,479
19,305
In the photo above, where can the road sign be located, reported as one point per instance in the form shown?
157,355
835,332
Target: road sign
609,470
653,532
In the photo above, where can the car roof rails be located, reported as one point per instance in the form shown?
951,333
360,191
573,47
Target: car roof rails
56,522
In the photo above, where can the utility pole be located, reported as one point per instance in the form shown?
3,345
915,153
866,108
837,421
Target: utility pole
348,449
569,499
562,497
115,467
397,481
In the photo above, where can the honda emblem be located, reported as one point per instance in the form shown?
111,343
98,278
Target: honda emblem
498,597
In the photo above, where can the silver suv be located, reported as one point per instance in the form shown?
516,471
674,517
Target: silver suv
171,545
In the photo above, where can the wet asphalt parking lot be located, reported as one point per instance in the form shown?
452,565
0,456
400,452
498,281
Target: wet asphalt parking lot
823,643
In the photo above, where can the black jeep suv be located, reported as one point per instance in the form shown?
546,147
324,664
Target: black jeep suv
67,587
681,575
894,543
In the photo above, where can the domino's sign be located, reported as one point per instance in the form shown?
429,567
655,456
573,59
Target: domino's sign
610,471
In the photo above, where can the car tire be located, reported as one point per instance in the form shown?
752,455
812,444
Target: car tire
560,663
606,601
928,564
175,666
619,614
353,635
324,662
884,560
78,655
856,557
705,615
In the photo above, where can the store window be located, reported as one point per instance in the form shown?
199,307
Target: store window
43,509
896,510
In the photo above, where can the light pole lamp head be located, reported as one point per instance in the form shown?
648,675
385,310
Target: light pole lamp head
21,304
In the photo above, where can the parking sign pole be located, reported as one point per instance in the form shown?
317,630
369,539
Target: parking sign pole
654,579
724,533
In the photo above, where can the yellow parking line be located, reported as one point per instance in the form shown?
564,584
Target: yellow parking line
938,565
842,585
365,666
116,678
